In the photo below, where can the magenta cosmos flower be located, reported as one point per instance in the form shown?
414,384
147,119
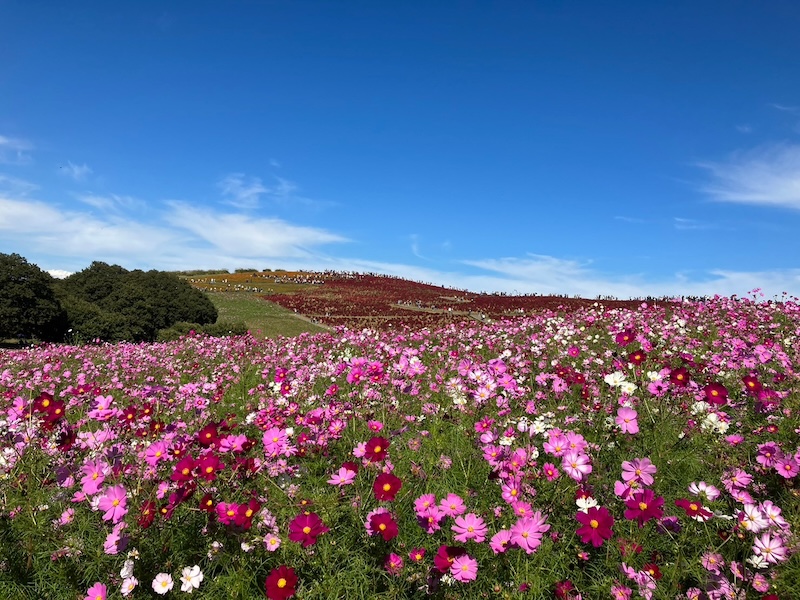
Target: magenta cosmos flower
306,528
114,504
643,506
597,523
386,487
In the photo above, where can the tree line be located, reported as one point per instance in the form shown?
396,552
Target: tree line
102,302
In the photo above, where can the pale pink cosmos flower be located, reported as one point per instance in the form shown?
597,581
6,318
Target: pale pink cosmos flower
272,542
770,547
639,469
576,464
701,488
470,527
114,502
128,585
343,477
464,568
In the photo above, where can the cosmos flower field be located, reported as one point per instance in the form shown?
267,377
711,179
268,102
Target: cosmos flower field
593,453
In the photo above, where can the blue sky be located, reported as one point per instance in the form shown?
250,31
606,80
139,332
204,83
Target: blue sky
614,148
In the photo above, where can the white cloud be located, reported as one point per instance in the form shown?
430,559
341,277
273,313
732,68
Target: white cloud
744,128
14,151
60,273
244,236
16,186
768,175
690,224
76,172
111,202
245,192
242,192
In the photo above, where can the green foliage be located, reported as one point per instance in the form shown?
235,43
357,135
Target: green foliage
110,303
28,306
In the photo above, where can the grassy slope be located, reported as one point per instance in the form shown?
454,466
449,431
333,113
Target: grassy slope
263,318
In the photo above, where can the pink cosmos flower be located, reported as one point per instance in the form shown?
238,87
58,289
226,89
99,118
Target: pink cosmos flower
577,465
424,502
94,474
464,568
394,564
527,532
500,541
786,467
550,471
114,502
639,469
627,420
470,527
156,452
417,554
343,477
452,506
431,519
97,592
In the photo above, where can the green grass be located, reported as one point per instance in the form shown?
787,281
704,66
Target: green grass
263,318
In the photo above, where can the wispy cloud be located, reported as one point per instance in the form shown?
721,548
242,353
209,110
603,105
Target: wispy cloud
16,186
110,203
76,172
744,128
15,151
768,175
629,219
241,191
690,224
242,235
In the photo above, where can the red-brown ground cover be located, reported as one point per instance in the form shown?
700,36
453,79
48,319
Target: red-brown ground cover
382,302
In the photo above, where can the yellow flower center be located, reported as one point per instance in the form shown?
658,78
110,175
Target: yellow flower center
382,526
115,502
306,529
642,506
282,583
386,487
377,449
594,524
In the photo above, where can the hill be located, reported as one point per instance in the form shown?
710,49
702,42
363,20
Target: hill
358,300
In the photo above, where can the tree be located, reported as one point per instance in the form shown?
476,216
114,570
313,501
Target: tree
28,305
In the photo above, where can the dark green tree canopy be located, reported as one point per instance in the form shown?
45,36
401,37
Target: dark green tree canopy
28,306
111,303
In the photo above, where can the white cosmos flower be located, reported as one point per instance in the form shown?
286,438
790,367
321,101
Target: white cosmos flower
191,578
615,379
163,583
